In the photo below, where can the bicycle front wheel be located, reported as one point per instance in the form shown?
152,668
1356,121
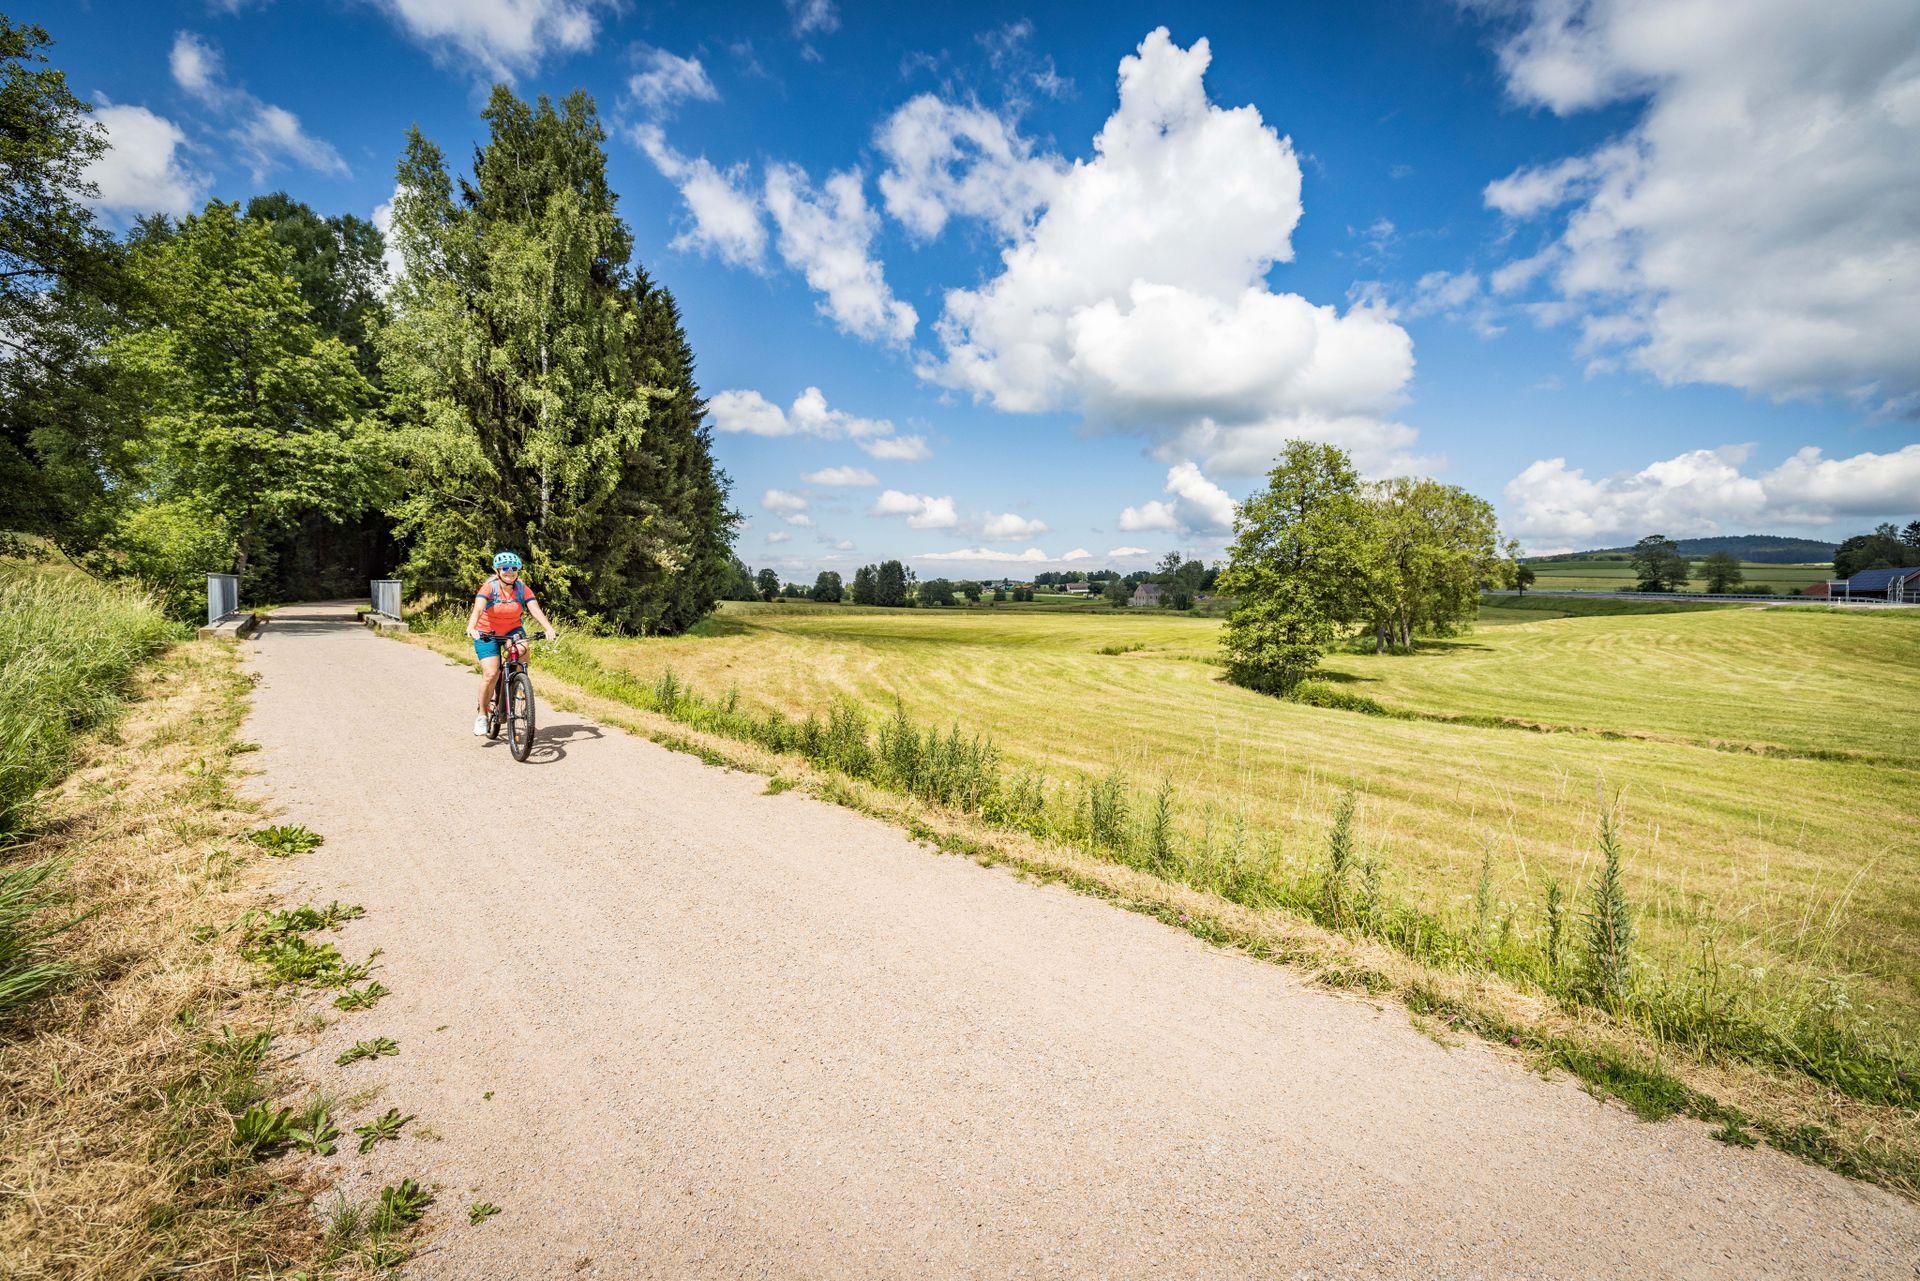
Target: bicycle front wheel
520,715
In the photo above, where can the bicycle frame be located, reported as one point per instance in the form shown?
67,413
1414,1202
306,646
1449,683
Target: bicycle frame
513,663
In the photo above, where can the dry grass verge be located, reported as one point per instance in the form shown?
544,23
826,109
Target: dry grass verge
118,1091
1654,1077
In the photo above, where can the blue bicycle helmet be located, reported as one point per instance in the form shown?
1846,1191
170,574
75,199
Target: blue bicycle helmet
506,560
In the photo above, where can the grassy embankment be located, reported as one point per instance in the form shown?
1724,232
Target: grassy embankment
1761,758
141,1130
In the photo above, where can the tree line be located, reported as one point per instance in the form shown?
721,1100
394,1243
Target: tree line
243,390
1660,566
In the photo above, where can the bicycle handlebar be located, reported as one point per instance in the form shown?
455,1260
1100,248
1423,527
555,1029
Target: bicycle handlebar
490,636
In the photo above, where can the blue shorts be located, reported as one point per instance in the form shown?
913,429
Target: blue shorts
491,649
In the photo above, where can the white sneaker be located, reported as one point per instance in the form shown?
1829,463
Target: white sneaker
480,726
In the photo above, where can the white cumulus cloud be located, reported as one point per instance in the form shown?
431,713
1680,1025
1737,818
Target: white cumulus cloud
827,236
923,511
1078,553
497,37
945,159
790,507
841,477
1758,226
1197,506
746,411
1118,552
1010,528
142,171
1138,295
898,449
1555,506
267,135
1030,556
668,80
724,207
809,16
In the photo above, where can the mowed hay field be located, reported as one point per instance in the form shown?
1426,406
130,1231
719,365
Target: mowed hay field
1801,865
1618,576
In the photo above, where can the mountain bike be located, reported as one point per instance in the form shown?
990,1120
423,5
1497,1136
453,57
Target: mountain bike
513,708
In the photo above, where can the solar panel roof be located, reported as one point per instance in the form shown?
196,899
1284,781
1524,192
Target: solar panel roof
1876,580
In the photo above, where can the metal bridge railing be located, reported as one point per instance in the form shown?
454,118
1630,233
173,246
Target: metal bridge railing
223,596
386,597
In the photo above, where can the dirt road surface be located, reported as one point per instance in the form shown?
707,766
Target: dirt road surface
679,1028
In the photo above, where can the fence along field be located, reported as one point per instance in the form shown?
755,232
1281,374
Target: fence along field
1791,869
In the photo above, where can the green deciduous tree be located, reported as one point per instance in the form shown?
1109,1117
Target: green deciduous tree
61,438
936,591
1433,548
544,389
337,264
826,587
1722,572
1882,549
769,584
1116,592
1523,577
740,581
1298,567
1658,564
248,411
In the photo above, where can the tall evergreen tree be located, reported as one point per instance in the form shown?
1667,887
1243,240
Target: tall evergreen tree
545,391
677,494
890,584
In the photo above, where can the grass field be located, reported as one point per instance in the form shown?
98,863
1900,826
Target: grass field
1618,576
1797,871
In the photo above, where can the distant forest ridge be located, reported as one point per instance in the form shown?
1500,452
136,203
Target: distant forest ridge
1755,549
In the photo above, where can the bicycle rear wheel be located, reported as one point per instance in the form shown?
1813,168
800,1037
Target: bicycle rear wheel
520,715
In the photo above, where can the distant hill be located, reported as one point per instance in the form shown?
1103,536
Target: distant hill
1755,549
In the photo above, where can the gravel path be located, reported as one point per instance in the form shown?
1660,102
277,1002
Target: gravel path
679,1028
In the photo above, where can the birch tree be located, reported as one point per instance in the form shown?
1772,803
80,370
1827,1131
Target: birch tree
535,378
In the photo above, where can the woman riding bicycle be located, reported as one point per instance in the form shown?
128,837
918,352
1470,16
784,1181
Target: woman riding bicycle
499,604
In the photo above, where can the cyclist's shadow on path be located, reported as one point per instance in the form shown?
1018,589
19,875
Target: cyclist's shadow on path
550,742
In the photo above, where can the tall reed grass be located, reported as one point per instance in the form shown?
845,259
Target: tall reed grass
68,647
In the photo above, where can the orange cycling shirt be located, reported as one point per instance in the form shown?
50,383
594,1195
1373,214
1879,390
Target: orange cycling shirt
502,613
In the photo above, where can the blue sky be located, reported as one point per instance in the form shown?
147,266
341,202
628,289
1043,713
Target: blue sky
990,288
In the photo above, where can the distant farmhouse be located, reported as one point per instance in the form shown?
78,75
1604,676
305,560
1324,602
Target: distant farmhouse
1897,585
1149,594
